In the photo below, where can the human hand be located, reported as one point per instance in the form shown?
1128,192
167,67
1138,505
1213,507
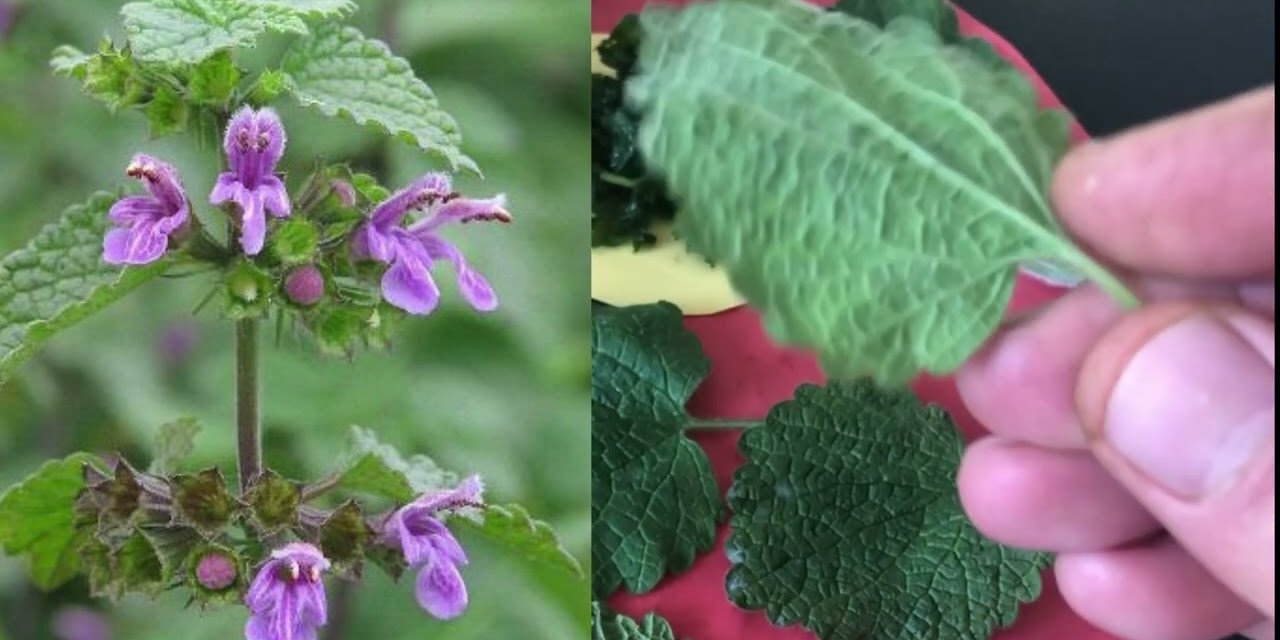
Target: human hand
1140,447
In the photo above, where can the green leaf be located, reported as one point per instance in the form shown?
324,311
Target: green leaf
136,568
340,72
295,241
511,525
268,86
378,469
70,61
188,31
202,501
37,520
606,625
174,441
872,192
317,8
59,279
847,521
936,13
167,113
654,501
214,81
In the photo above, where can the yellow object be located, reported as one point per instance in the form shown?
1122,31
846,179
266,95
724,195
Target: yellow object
622,276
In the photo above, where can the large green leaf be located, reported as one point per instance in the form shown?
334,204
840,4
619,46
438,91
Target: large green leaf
37,521
872,191
511,526
846,520
186,31
607,625
340,72
654,501
374,468
59,279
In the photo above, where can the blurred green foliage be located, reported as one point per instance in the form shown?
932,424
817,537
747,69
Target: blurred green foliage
504,395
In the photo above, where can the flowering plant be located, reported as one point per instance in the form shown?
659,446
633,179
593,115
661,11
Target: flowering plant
328,251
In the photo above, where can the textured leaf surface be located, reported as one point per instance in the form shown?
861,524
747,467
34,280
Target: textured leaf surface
59,279
37,521
378,469
847,521
654,501
180,31
340,72
510,525
871,191
606,625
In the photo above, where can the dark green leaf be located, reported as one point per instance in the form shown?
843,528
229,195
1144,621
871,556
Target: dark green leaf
37,520
136,568
511,526
606,625
59,279
344,533
654,501
846,520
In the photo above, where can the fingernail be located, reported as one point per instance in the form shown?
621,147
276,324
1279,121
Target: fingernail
1193,407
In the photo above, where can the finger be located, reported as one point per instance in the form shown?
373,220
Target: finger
1035,498
1150,592
1021,385
1192,195
1179,404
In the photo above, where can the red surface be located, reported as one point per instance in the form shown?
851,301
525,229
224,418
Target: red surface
749,374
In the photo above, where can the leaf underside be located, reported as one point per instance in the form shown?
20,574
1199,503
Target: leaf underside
654,500
846,520
872,191
606,625
340,72
59,279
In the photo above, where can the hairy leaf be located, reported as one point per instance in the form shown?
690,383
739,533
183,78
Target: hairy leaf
37,520
317,8
378,469
872,191
174,441
178,31
510,525
274,501
341,72
606,625
201,500
654,501
344,533
846,520
59,279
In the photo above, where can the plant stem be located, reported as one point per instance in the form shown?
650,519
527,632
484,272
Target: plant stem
722,423
248,425
320,487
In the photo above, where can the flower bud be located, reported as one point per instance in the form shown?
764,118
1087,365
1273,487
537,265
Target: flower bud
345,192
216,571
304,285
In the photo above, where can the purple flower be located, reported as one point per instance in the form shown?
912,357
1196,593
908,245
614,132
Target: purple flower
428,546
286,600
412,251
80,623
254,144
144,223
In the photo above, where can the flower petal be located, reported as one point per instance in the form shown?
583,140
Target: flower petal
274,196
416,547
441,591
115,246
226,189
129,210
470,490
408,283
257,628
140,244
161,179
467,210
474,288
430,188
239,139
270,128
253,223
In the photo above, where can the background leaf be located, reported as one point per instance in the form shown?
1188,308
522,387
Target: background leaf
871,191
59,279
654,502
341,72
178,31
606,625
846,520
174,441
36,520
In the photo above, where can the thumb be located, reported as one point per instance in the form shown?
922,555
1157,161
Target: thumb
1178,403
